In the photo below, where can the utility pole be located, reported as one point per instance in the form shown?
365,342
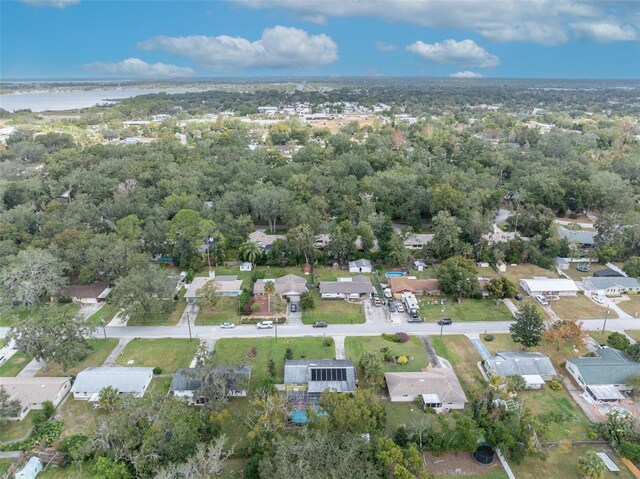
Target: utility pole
104,330
189,324
275,324
606,315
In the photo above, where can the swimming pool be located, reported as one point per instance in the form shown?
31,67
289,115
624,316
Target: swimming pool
394,273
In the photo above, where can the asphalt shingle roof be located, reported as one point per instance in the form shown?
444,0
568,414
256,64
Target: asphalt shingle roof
611,366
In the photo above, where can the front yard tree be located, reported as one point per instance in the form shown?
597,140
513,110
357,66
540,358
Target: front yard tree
564,331
632,267
457,277
591,466
501,288
618,341
250,251
307,301
301,239
54,334
269,288
8,407
633,352
208,294
528,327
32,274
144,292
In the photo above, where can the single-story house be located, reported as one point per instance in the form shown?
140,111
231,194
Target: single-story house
603,377
360,266
419,265
498,236
405,284
535,368
91,381
289,286
264,240
88,293
549,286
33,392
439,388
31,469
246,266
225,286
580,237
318,375
417,240
355,287
187,380
611,286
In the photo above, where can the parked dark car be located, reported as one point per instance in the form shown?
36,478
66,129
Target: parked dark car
518,297
392,306
320,324
445,322
294,308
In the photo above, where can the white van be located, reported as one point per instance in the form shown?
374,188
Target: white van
542,300
265,325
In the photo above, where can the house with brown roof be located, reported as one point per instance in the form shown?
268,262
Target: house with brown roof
289,286
88,293
224,286
405,284
438,388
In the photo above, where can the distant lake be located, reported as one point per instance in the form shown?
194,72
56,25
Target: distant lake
72,99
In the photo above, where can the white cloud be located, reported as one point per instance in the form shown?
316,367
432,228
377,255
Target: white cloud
606,32
50,3
464,52
279,47
540,21
384,47
466,74
138,68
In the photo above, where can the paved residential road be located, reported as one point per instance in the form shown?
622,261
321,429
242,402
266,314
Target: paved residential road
367,329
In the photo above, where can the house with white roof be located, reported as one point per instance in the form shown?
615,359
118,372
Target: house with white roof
549,286
611,286
224,286
438,388
347,288
91,381
360,266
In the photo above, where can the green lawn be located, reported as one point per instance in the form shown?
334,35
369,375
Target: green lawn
106,313
355,346
576,275
245,276
15,364
164,319
24,312
233,469
333,311
634,333
236,427
526,270
492,474
579,307
75,470
78,417
401,414
159,386
16,430
235,351
5,464
225,310
467,310
462,355
101,348
563,463
631,305
168,354
599,336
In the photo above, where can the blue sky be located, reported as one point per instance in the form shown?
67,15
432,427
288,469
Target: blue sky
507,38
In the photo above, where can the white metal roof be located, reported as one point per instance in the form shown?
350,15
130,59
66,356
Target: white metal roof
550,284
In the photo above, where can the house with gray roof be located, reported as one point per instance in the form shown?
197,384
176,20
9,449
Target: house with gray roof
535,368
611,286
91,381
32,393
438,388
187,381
224,286
318,375
360,266
355,287
580,237
289,286
603,377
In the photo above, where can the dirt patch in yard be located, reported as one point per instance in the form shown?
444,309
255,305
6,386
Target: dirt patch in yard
457,464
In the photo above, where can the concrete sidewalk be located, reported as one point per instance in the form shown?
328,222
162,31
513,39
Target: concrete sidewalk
339,345
111,359
31,369
190,313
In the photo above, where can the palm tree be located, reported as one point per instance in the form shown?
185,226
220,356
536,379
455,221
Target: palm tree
250,251
269,288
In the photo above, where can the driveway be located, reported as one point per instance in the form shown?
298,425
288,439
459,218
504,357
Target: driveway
375,314
294,318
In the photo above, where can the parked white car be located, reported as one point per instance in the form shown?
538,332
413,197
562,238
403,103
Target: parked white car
265,325
227,325
542,300
599,299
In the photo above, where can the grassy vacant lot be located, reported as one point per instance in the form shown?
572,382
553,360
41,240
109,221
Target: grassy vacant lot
225,310
16,430
563,463
26,312
525,270
164,319
502,342
467,310
333,311
634,333
238,351
579,307
106,313
631,306
101,348
168,354
462,355
15,364
355,346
